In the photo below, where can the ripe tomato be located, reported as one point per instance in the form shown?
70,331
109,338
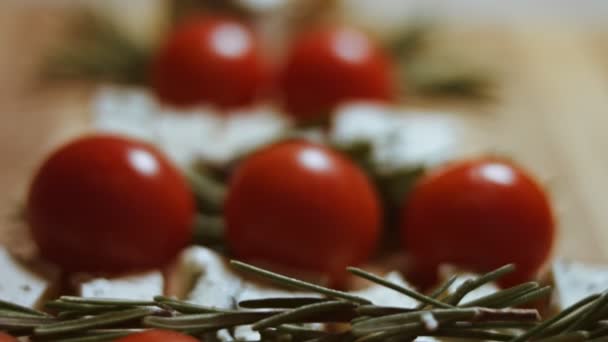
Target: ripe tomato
331,65
210,60
108,203
479,215
158,336
302,205
7,338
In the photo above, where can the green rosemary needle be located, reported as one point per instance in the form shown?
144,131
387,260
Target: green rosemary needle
548,323
404,290
472,284
292,282
4,305
440,290
283,319
185,307
280,303
495,300
85,323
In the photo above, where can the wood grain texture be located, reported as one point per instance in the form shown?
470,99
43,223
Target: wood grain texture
551,111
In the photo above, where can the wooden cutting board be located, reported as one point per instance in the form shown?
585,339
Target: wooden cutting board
551,113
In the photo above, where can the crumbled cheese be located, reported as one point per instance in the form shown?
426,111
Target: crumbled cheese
142,286
398,137
216,285
573,281
201,133
21,285
380,295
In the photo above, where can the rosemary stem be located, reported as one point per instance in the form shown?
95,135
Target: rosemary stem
548,323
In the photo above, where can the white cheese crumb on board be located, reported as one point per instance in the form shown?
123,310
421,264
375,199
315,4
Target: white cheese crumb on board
573,281
202,133
22,285
399,137
142,286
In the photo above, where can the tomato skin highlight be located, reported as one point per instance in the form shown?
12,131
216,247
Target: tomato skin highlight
478,215
304,206
157,336
105,203
210,60
331,65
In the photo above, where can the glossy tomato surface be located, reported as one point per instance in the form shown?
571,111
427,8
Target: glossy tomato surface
331,65
158,336
478,215
302,205
108,203
7,338
210,60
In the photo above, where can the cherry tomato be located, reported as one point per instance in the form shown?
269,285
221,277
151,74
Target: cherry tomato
210,60
108,203
331,65
158,336
479,215
7,338
302,205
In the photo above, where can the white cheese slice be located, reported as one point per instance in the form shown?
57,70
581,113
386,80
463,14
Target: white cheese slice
201,133
143,286
399,138
22,285
216,285
573,281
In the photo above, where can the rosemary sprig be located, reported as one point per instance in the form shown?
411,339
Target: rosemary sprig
284,319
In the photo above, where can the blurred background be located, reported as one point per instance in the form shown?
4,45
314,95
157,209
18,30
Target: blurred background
530,79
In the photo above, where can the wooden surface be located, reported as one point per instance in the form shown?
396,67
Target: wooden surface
551,112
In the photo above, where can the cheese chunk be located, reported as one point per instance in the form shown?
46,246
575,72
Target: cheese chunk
201,133
141,286
573,281
215,284
399,138
22,285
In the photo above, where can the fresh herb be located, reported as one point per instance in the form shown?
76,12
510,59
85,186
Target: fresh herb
286,319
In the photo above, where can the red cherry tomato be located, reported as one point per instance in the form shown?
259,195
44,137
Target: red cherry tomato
112,204
302,205
7,338
479,215
158,336
210,60
332,65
